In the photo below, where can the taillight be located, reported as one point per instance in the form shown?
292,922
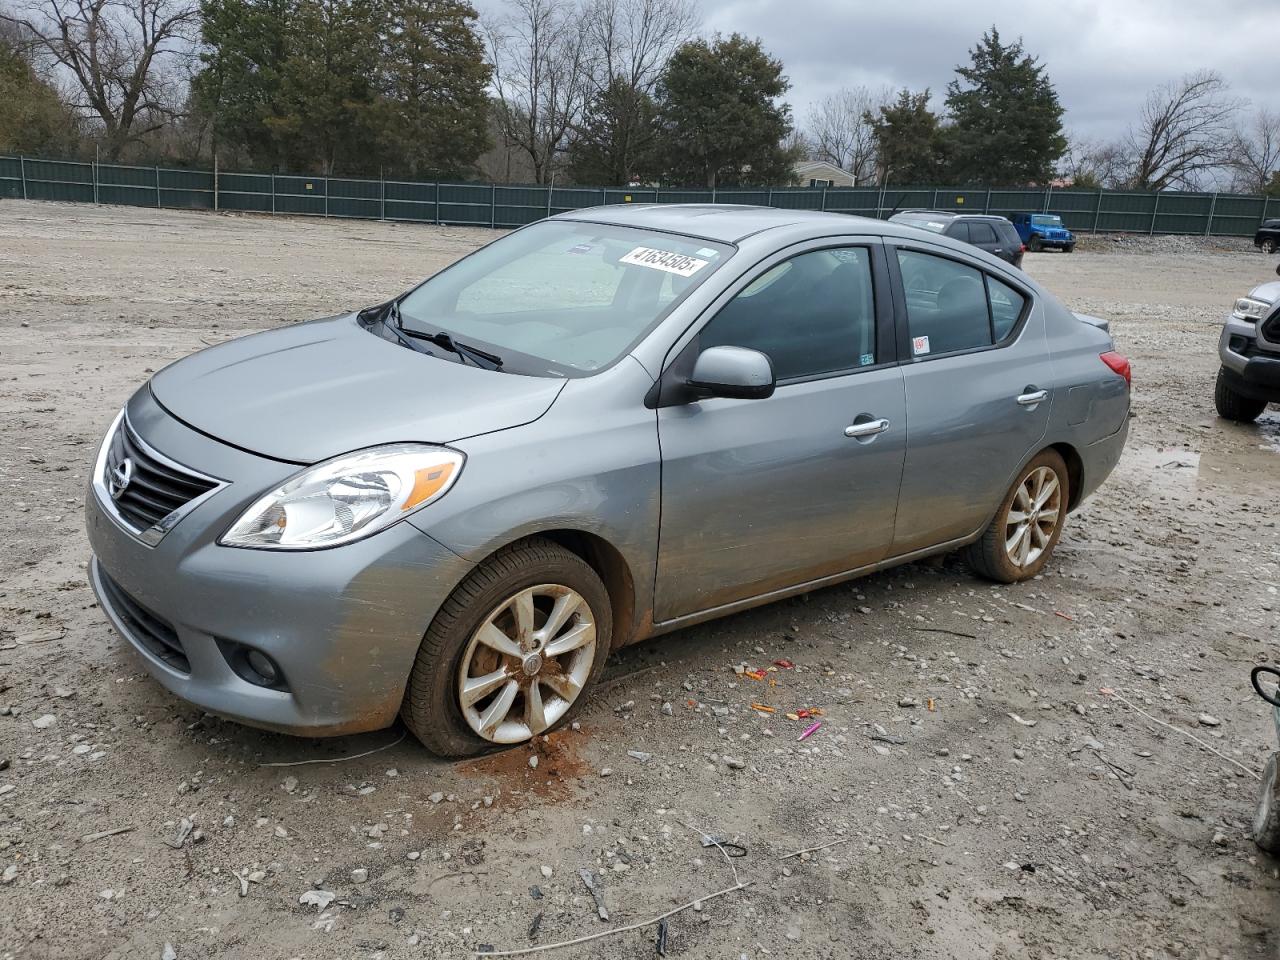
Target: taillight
1120,364
1024,248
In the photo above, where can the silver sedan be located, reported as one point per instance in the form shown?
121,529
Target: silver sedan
604,426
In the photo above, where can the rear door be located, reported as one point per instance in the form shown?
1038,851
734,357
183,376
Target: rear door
978,382
760,495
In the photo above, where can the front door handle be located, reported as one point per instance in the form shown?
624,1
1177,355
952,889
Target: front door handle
1032,397
868,429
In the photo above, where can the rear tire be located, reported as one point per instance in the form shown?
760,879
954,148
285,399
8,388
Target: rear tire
1266,819
1268,245
487,604
1235,406
1020,540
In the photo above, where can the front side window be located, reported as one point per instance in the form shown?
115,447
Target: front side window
562,297
812,314
953,307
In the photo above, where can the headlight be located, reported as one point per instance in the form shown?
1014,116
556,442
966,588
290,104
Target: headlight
347,498
1247,308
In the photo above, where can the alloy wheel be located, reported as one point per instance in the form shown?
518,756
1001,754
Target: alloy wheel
527,663
1033,516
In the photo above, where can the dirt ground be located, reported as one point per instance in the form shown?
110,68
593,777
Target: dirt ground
985,797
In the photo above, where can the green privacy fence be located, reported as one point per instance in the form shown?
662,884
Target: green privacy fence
501,205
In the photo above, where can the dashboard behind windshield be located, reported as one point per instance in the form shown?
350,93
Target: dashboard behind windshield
563,297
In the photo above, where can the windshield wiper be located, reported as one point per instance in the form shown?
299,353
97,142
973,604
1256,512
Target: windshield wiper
481,358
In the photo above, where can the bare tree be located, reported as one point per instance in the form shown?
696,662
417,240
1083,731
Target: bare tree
1091,164
840,129
539,56
115,55
1255,152
632,40
1184,132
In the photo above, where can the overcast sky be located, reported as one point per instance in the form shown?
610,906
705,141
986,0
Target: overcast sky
1102,55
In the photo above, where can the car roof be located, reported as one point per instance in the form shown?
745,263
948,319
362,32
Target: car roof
950,214
729,223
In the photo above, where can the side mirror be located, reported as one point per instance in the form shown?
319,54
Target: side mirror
736,372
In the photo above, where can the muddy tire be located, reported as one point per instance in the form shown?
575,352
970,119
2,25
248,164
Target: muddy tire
1234,406
1266,819
1027,525
512,653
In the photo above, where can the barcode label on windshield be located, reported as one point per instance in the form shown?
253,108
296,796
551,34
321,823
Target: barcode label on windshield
665,260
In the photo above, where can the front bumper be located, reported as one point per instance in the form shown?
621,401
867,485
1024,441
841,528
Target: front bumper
343,625
1249,371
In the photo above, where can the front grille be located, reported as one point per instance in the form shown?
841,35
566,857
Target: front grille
1270,327
155,488
152,632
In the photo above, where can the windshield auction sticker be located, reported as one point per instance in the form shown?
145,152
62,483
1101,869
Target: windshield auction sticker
665,260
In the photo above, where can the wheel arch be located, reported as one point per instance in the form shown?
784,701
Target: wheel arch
1075,472
609,564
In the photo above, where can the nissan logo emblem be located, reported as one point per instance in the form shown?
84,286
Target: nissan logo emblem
119,477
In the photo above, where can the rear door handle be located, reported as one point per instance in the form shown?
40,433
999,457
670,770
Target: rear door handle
1033,397
868,429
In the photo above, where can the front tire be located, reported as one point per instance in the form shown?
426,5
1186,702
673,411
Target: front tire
1069,248
512,653
1035,245
1235,406
1268,245
1028,524
1266,819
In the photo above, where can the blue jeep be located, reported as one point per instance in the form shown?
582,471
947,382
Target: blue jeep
1041,230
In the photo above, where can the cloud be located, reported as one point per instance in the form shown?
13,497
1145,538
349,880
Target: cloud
1102,55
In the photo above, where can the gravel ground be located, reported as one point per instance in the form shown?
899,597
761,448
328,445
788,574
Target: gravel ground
984,796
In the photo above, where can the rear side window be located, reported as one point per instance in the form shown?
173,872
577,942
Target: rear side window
953,307
1006,307
981,233
812,314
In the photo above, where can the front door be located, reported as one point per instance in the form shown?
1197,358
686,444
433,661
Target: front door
760,495
979,389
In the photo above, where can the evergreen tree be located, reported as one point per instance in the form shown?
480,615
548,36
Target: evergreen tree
33,118
721,120
1006,119
434,83
617,139
909,141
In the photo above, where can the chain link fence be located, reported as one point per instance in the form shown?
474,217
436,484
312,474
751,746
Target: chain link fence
502,205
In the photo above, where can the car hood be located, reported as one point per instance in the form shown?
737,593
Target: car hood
1266,292
312,391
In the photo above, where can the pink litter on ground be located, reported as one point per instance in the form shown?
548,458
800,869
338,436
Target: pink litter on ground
809,731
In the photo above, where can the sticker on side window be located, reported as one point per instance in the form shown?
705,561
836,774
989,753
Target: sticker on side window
678,263
920,346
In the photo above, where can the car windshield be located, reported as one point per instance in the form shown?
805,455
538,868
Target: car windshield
1047,220
562,298
924,223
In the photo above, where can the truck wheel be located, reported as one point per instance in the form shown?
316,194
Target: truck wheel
1069,248
512,653
1266,820
1026,528
1035,245
1268,245
1234,406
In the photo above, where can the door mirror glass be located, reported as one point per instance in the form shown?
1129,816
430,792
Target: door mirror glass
737,372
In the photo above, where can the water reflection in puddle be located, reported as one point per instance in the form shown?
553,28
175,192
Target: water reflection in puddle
1233,456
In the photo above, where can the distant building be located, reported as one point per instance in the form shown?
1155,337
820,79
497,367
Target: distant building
819,173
